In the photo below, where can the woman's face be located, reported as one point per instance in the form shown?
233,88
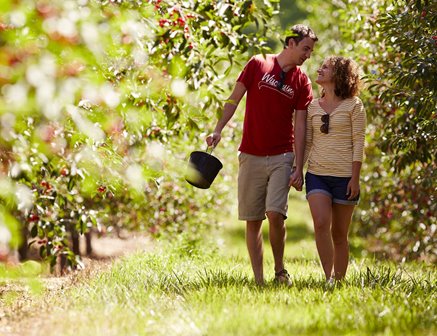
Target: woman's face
325,73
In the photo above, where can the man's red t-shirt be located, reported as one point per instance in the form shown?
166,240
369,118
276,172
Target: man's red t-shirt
268,122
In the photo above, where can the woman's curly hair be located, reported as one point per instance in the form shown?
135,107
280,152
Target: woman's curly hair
346,76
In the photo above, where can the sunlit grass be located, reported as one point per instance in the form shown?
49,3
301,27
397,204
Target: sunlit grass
207,288
207,293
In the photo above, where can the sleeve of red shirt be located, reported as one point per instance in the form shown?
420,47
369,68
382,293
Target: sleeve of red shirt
305,93
246,75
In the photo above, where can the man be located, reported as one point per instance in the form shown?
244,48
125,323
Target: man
276,88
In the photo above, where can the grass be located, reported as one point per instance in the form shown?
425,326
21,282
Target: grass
197,288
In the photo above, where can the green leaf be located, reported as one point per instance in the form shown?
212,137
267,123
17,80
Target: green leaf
34,231
178,69
43,251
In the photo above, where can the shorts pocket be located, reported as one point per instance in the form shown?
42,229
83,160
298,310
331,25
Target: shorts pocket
242,157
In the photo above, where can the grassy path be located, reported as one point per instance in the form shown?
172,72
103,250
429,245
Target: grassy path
207,289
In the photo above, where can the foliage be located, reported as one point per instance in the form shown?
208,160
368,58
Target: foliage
97,97
101,102
401,184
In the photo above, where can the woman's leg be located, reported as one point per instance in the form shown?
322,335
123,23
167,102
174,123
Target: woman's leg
341,219
321,209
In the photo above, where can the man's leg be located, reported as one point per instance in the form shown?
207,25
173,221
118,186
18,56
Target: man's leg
254,241
277,235
279,167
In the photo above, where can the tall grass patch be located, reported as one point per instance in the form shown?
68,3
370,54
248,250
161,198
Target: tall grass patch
200,289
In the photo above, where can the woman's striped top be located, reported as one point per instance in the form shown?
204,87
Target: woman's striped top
332,154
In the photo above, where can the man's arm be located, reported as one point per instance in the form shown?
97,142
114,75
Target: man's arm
228,111
300,117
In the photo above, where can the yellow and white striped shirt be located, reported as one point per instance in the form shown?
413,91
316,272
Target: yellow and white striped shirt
332,154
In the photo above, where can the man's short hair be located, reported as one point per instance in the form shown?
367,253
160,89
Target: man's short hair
298,33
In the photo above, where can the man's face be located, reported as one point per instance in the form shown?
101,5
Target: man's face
301,51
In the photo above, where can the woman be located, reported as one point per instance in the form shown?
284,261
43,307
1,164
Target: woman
334,149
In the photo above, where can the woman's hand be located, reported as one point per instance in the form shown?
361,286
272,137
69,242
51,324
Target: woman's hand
296,179
353,188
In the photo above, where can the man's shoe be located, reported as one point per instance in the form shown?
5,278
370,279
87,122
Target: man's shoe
330,283
283,278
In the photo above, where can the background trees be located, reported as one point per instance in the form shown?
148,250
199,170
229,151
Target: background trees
396,48
102,101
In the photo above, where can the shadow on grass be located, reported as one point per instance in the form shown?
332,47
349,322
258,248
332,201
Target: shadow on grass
295,232
356,248
373,277
298,231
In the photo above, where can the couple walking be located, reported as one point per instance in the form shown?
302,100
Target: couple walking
328,132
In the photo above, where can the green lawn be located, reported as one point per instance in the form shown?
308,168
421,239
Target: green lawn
207,289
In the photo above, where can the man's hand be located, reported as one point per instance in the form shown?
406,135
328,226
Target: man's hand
296,180
213,139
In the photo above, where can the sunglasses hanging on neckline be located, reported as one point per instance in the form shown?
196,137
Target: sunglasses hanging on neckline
282,77
325,126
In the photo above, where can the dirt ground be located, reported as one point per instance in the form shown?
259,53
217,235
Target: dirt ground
20,319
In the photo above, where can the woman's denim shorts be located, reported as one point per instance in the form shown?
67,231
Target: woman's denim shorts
332,186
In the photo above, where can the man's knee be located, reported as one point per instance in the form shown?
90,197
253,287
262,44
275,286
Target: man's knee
275,217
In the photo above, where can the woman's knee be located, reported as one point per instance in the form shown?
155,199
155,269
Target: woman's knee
340,239
321,224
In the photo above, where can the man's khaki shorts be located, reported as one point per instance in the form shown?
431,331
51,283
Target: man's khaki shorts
263,185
